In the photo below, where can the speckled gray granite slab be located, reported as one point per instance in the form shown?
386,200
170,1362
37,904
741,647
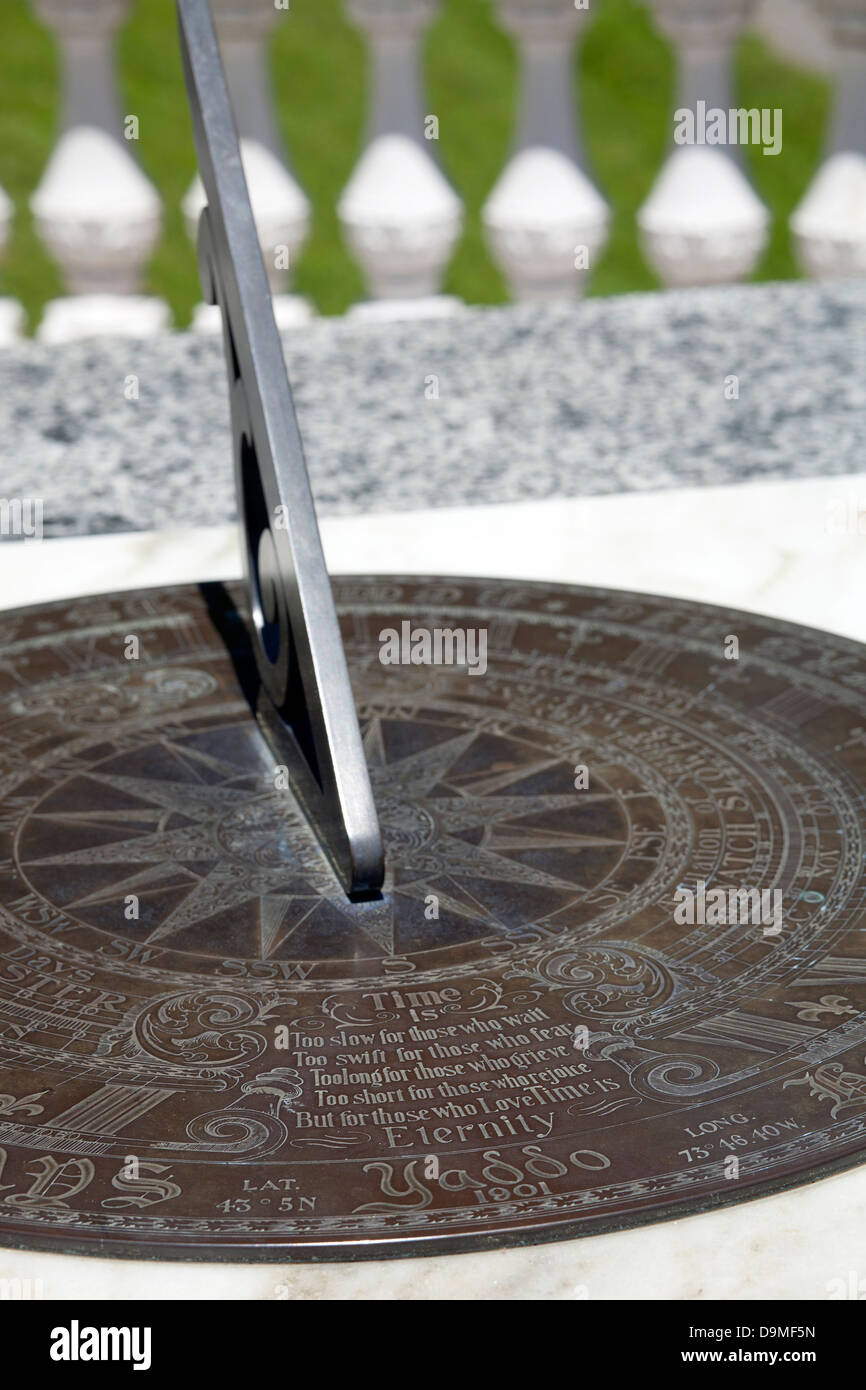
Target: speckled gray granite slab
606,396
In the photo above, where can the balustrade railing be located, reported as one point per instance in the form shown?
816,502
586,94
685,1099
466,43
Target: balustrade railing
703,223
399,215
282,210
829,226
97,213
545,220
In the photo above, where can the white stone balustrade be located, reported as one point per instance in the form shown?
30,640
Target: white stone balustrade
95,210
545,220
702,222
829,226
280,206
400,217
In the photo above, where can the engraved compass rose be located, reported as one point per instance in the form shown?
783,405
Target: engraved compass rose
192,832
157,1034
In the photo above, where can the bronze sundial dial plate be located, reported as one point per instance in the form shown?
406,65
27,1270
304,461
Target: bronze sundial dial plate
207,1051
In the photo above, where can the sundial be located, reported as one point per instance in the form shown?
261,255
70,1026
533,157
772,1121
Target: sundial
406,915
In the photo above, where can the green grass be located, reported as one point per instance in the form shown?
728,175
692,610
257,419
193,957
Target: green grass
627,82
319,73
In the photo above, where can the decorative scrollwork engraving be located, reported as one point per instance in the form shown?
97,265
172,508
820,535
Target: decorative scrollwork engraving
215,1029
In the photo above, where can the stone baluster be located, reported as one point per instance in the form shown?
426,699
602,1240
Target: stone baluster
545,221
11,312
280,207
399,215
96,212
703,223
829,226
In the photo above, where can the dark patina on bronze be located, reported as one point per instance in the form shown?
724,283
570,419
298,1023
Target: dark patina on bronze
207,1051
211,1048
